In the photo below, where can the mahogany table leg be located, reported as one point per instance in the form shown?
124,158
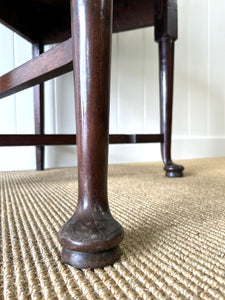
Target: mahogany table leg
165,35
38,91
166,57
91,237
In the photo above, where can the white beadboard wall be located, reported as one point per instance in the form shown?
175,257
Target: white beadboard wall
199,93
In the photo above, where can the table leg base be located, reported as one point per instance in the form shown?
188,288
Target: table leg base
173,174
174,170
90,260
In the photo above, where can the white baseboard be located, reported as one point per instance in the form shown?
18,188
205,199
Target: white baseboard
182,148
198,147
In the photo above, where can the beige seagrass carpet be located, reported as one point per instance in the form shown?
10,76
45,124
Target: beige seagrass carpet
174,245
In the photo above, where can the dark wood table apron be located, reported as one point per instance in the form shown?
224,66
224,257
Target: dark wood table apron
91,237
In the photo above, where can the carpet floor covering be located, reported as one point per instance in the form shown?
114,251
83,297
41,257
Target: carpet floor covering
174,244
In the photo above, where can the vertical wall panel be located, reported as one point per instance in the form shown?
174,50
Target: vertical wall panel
130,82
198,68
113,120
51,153
7,105
49,107
216,67
181,72
60,156
65,106
151,82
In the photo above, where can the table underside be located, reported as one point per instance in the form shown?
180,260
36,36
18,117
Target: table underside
48,21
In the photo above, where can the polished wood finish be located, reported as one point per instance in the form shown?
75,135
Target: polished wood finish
70,139
91,233
165,35
49,21
165,19
38,90
37,21
90,260
132,14
166,57
37,139
50,64
90,238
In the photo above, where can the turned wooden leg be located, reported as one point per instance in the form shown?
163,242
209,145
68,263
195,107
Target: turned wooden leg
165,35
91,237
39,111
166,61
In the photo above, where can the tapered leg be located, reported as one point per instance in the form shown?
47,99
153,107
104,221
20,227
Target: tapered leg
165,35
38,91
166,61
90,238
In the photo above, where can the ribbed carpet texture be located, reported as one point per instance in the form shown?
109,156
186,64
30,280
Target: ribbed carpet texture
174,245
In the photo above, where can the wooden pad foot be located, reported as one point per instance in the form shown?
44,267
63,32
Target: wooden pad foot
174,170
90,260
